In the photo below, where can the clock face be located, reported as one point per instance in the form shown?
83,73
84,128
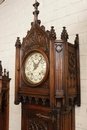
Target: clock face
35,67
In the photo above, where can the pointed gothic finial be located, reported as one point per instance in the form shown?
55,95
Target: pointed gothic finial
36,12
5,72
52,33
18,43
76,42
64,34
8,74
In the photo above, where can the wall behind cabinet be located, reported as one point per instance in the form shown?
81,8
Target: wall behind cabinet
15,19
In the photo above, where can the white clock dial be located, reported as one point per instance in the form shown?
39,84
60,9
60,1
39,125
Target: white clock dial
35,67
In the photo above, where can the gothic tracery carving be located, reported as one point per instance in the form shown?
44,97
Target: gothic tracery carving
72,64
37,125
58,47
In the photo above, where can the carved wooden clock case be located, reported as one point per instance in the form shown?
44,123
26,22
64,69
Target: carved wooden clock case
4,99
47,78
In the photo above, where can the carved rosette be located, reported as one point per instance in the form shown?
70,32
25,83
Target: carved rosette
59,47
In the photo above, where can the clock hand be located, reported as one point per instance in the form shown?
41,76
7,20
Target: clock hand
39,61
35,65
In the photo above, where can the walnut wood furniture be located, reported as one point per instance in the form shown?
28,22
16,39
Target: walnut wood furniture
4,99
47,78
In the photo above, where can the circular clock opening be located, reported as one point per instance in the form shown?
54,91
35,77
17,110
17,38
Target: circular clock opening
35,67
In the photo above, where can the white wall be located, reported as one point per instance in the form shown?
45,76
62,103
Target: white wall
15,19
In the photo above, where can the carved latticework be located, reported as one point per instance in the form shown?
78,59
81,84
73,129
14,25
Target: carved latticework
37,125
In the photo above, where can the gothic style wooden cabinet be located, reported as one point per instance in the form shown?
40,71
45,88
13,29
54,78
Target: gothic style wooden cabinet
47,78
4,99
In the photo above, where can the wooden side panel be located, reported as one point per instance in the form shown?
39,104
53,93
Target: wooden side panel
72,69
68,120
